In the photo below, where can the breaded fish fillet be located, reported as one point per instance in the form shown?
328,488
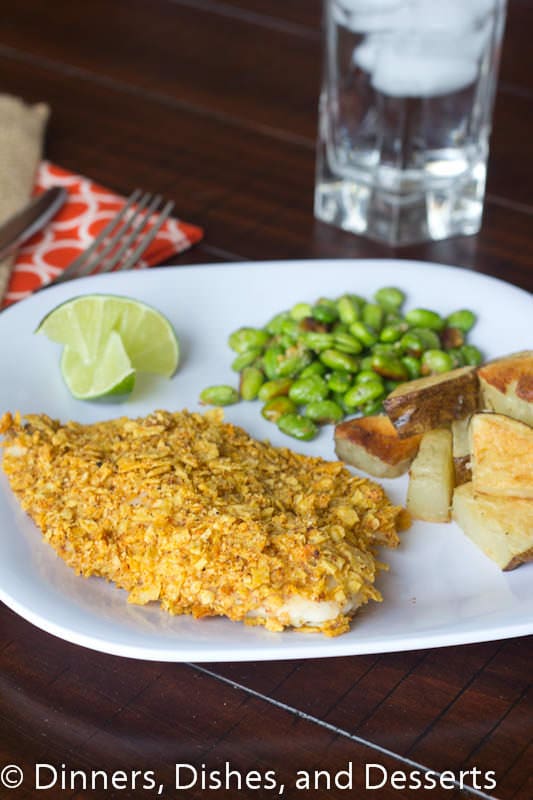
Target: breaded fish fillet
190,511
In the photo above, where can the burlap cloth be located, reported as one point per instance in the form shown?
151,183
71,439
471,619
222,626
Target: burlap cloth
21,144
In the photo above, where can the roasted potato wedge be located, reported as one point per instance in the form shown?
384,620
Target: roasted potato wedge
502,456
431,478
506,386
434,402
372,444
461,450
502,527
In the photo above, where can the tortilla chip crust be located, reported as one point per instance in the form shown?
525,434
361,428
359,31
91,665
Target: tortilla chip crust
188,510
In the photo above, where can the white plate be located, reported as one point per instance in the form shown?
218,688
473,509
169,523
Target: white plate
440,589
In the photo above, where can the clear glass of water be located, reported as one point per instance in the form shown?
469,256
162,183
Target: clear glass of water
405,116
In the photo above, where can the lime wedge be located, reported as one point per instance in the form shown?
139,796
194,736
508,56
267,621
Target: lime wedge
107,339
109,374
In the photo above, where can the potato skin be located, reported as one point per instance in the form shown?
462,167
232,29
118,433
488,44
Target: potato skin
506,386
424,404
372,444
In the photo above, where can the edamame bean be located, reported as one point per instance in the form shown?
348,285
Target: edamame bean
348,309
277,407
271,360
471,355
293,362
297,426
457,357
347,344
308,390
274,325
373,316
372,407
462,319
324,313
393,332
221,395
424,318
389,367
363,393
250,382
390,298
314,368
274,388
317,341
300,311
363,333
412,366
336,360
247,338
245,359
339,381
452,337
367,375
433,362
324,412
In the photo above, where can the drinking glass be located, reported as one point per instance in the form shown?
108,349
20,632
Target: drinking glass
405,116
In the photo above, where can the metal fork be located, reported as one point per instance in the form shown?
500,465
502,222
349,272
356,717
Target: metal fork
112,247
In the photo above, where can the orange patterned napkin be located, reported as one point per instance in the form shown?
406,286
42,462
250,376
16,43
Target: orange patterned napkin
88,209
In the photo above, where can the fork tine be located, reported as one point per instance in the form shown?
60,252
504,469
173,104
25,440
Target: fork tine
140,224
73,269
149,237
99,263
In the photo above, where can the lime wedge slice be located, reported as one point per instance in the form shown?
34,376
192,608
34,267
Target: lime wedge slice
110,374
85,323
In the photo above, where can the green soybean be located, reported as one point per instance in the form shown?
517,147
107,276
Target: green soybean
324,412
390,367
464,319
221,395
308,390
363,393
363,333
433,362
393,332
424,318
297,426
300,311
317,340
347,344
251,380
471,355
247,338
373,316
390,298
271,360
277,407
413,367
339,381
324,313
348,310
245,359
274,388
336,360
314,368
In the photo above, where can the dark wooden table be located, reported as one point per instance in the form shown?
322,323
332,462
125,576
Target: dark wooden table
213,102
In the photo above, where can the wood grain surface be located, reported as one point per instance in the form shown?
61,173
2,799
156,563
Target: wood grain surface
214,103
